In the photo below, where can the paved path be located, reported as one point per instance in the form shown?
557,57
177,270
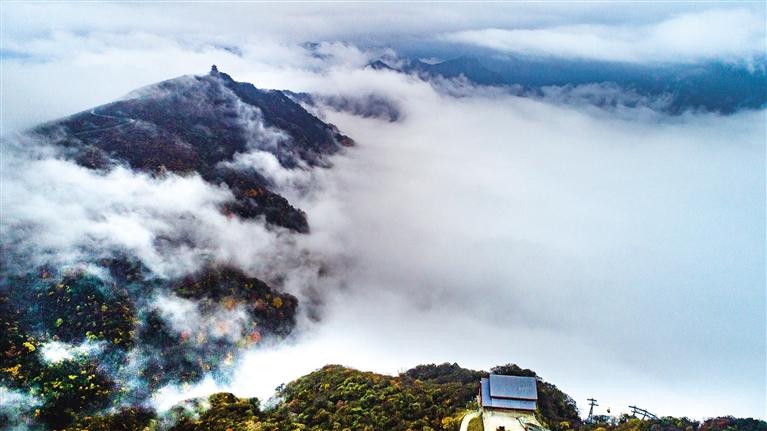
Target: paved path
466,419
125,121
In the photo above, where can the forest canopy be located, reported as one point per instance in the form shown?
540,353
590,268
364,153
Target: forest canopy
425,398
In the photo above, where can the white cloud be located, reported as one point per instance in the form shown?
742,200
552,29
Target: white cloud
595,247
58,212
66,211
103,67
86,55
732,35
218,322
623,243
56,351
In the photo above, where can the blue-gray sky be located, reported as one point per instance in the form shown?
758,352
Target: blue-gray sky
619,253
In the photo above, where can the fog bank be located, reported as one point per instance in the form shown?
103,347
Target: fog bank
619,254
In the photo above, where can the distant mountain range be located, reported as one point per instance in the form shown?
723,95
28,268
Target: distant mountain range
713,86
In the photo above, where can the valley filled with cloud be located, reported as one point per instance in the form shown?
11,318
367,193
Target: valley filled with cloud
608,234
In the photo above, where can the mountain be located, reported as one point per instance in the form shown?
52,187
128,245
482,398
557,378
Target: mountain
425,398
710,86
380,65
374,105
467,66
98,328
199,124
77,343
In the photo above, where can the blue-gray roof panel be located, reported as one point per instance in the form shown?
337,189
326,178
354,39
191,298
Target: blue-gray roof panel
502,403
513,387
484,386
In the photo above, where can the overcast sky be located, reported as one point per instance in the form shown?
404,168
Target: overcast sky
618,253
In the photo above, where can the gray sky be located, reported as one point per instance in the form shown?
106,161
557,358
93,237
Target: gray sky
618,253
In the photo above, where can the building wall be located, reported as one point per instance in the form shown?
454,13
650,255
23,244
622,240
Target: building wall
494,418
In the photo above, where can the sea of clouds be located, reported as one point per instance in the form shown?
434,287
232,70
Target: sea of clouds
618,251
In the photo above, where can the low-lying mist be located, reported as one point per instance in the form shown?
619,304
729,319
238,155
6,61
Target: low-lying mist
617,252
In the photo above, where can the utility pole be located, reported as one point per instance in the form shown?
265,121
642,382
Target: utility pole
592,404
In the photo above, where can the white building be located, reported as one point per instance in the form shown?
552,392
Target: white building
508,403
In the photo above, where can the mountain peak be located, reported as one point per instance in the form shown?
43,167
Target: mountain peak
214,72
468,66
380,65
200,124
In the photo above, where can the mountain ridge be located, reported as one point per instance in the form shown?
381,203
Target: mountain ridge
719,87
103,328
426,398
198,124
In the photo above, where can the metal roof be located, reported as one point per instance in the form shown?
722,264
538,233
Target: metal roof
503,403
513,387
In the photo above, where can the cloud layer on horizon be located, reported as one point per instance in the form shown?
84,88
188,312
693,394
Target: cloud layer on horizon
734,36
114,48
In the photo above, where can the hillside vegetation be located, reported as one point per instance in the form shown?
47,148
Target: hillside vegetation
425,398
